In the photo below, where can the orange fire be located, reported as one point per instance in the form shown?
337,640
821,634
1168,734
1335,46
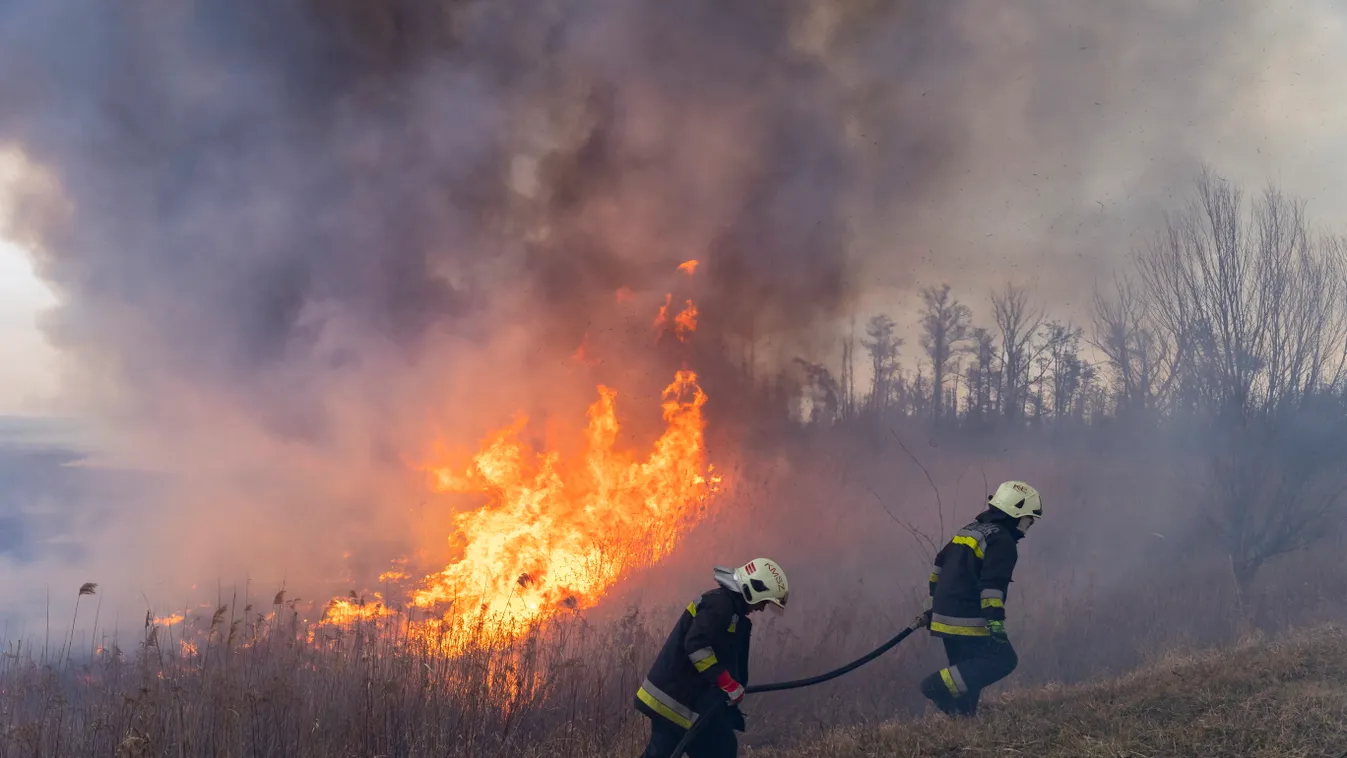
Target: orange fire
688,267
683,324
662,318
556,534
346,611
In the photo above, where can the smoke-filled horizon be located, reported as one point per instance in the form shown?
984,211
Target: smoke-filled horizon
293,245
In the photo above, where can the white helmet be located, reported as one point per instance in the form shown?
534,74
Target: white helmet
1017,499
762,579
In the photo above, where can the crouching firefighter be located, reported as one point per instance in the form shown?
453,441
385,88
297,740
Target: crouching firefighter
968,592
705,662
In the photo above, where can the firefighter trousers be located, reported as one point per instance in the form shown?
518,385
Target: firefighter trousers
975,663
715,739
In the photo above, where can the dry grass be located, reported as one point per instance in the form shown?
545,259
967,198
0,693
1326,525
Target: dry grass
262,682
269,689
272,686
1284,698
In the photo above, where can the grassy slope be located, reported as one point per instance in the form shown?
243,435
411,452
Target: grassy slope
1261,699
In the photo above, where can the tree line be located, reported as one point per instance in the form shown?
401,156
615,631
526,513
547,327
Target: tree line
1236,310
1225,334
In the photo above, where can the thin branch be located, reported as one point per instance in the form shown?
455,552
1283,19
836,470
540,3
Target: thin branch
917,535
940,506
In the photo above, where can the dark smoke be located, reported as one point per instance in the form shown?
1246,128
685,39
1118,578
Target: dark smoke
292,232
240,174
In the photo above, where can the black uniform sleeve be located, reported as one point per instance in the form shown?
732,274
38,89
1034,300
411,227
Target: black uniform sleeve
935,570
743,653
998,565
708,627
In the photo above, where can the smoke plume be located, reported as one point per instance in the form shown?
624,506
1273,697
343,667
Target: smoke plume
294,242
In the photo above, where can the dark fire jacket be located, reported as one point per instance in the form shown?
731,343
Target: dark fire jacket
972,575
712,636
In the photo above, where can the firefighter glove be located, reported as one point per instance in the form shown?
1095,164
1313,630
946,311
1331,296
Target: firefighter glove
998,630
732,689
923,620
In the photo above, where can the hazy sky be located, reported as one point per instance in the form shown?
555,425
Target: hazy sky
1269,108
28,374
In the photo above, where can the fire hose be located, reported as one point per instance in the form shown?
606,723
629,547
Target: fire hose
721,703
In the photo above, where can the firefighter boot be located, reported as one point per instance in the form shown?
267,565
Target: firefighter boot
935,690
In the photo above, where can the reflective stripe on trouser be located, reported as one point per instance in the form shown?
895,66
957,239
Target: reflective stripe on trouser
963,627
665,706
714,740
980,663
954,681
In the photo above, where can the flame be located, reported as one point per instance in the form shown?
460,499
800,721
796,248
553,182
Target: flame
173,620
344,612
685,322
688,267
556,534
662,318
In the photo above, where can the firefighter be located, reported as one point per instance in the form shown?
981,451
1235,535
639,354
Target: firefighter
705,660
967,601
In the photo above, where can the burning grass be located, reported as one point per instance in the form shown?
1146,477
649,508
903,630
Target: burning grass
555,534
236,680
267,684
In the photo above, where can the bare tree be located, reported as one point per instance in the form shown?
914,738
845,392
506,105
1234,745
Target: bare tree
1255,299
981,376
848,388
944,327
1141,358
1062,369
821,390
1277,492
883,347
1086,408
917,392
1017,323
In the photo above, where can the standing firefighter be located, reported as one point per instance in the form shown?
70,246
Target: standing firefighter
968,594
705,659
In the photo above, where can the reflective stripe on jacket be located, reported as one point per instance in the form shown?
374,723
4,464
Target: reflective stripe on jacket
711,636
971,575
